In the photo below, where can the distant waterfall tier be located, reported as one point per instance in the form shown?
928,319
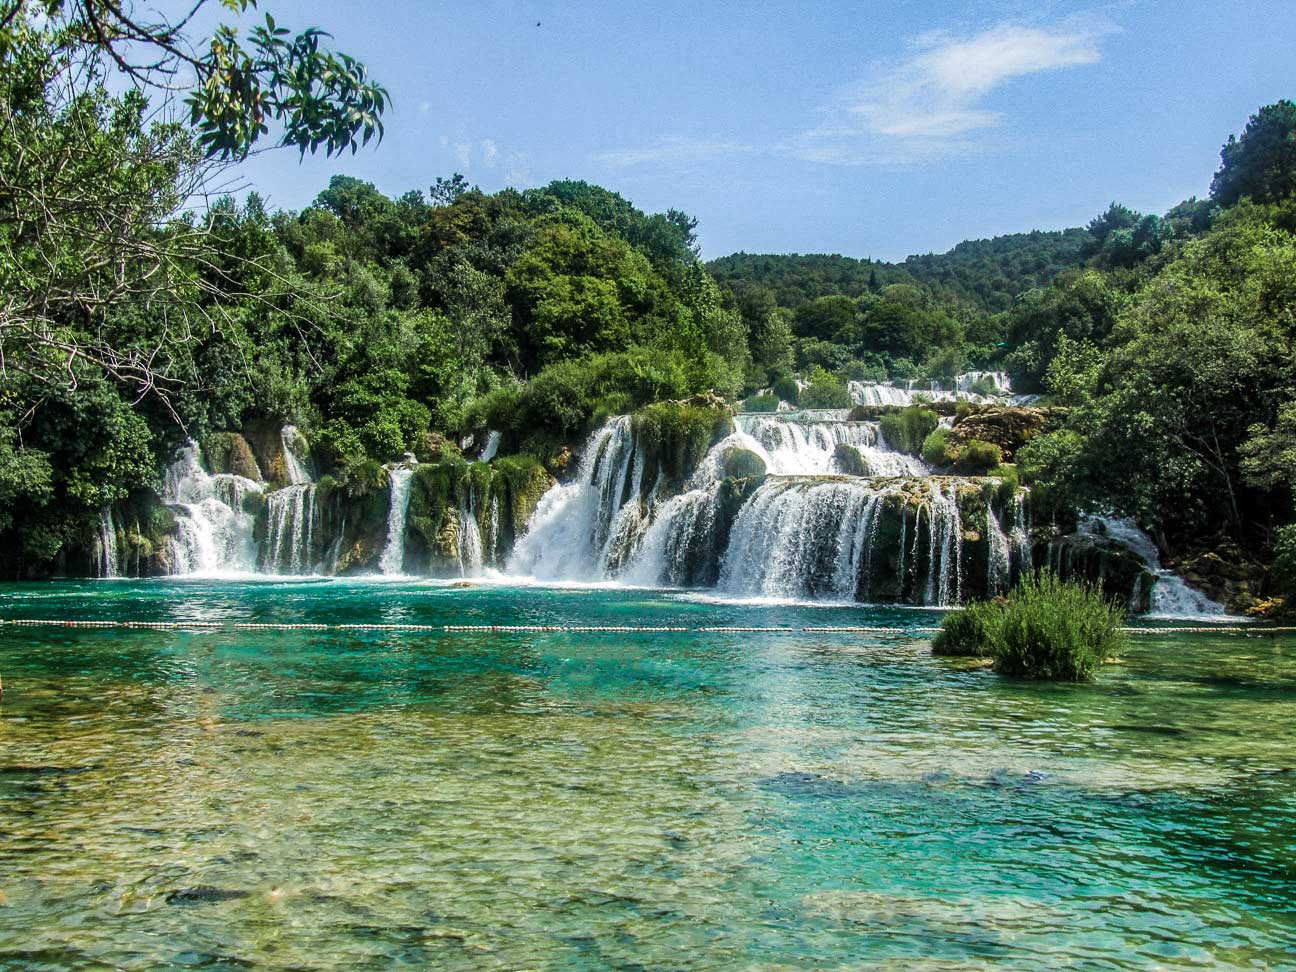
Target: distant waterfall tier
765,513
810,444
977,387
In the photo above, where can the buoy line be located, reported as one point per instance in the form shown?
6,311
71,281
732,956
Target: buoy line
1255,629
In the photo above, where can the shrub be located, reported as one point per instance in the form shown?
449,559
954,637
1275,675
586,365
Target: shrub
935,448
849,461
985,385
969,632
907,429
978,457
1009,482
871,371
1044,629
761,403
787,390
825,391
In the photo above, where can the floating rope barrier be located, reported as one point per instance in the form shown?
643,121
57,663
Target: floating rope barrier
1251,629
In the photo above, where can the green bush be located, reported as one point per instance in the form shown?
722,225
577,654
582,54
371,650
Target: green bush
907,429
786,389
1044,629
935,448
969,632
978,457
825,391
858,370
761,403
1009,482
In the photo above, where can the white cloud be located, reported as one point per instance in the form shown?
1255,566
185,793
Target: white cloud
933,101
489,151
463,155
673,151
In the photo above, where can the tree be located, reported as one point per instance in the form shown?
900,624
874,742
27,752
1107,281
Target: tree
95,187
1262,163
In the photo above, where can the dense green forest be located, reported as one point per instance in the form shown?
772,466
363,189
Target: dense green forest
134,319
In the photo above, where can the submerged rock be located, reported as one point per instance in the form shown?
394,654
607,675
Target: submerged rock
203,894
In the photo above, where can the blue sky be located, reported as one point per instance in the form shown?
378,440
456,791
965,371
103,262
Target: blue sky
871,129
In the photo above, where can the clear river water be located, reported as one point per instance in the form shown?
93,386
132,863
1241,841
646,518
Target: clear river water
305,800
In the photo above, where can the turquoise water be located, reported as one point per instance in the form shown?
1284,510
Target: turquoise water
351,801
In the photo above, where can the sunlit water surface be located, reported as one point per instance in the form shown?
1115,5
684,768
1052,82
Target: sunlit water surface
341,801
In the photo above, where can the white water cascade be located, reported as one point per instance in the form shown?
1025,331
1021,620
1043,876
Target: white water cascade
294,466
106,563
392,561
291,516
995,387
804,538
586,529
470,541
805,444
806,531
491,447
1170,596
213,531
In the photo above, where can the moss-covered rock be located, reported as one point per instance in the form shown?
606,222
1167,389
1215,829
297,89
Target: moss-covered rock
849,461
1008,427
739,463
675,436
229,452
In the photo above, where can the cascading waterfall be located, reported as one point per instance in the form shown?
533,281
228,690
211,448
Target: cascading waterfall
290,529
996,387
213,531
999,567
803,538
294,466
582,530
106,563
470,540
1170,595
392,561
291,516
792,447
491,447
944,546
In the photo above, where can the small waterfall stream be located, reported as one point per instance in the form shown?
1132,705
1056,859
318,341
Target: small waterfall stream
107,565
392,561
1170,595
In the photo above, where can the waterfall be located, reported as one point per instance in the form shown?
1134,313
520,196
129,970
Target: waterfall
579,528
106,562
999,565
961,390
804,531
1019,536
392,561
804,538
494,529
1170,595
679,547
294,466
470,540
796,447
290,529
491,447
944,546
213,532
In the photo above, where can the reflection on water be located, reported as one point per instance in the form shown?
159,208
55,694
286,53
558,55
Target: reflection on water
281,800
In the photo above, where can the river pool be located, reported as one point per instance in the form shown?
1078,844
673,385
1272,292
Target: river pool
356,800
